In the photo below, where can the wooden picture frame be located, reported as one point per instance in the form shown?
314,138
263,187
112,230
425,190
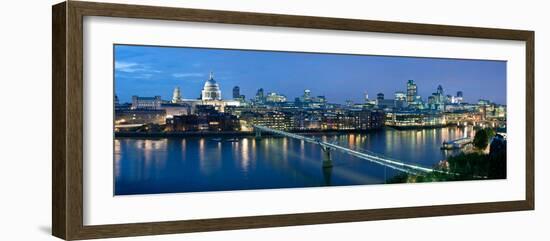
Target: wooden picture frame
67,124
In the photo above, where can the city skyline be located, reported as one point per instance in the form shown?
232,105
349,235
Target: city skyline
194,131
151,71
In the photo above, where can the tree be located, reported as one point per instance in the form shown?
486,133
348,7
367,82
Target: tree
490,133
468,165
481,139
497,158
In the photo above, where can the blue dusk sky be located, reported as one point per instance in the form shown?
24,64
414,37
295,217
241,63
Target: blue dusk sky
150,71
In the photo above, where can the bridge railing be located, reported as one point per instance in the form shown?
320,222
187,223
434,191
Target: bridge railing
363,154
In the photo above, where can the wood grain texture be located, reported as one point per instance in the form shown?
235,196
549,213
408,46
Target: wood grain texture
122,230
59,192
530,120
67,78
74,110
280,20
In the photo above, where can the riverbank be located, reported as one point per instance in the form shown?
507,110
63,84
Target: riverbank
419,127
235,133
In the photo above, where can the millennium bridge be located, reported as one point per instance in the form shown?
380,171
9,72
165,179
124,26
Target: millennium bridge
327,147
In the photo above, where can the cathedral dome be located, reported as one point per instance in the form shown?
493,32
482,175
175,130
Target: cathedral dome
211,89
211,83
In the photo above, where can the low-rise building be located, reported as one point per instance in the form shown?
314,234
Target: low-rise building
212,122
140,116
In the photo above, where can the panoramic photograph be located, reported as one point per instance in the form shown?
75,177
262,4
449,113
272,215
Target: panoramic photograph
190,119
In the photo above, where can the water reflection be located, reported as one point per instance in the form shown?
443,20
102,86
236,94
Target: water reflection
213,164
245,155
117,157
327,176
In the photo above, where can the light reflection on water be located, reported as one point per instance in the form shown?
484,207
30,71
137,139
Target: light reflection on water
192,164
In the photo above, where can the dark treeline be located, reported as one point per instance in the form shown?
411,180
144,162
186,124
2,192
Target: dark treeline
468,166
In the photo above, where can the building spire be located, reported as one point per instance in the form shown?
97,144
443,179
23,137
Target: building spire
176,95
211,75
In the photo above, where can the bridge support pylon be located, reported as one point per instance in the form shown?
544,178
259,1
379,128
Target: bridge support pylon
258,133
327,160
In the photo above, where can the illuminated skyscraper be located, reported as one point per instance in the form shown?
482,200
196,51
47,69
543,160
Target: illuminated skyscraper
259,95
411,92
307,95
236,92
440,95
459,98
400,99
431,102
440,89
380,97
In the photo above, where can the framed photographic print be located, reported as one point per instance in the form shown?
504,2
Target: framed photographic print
171,120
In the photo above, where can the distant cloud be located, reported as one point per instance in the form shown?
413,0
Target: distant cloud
185,75
127,67
132,67
143,76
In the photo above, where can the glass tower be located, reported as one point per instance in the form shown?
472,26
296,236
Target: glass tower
411,92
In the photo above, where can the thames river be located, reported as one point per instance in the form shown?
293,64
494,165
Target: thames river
195,164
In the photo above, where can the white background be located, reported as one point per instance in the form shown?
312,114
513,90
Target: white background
25,148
